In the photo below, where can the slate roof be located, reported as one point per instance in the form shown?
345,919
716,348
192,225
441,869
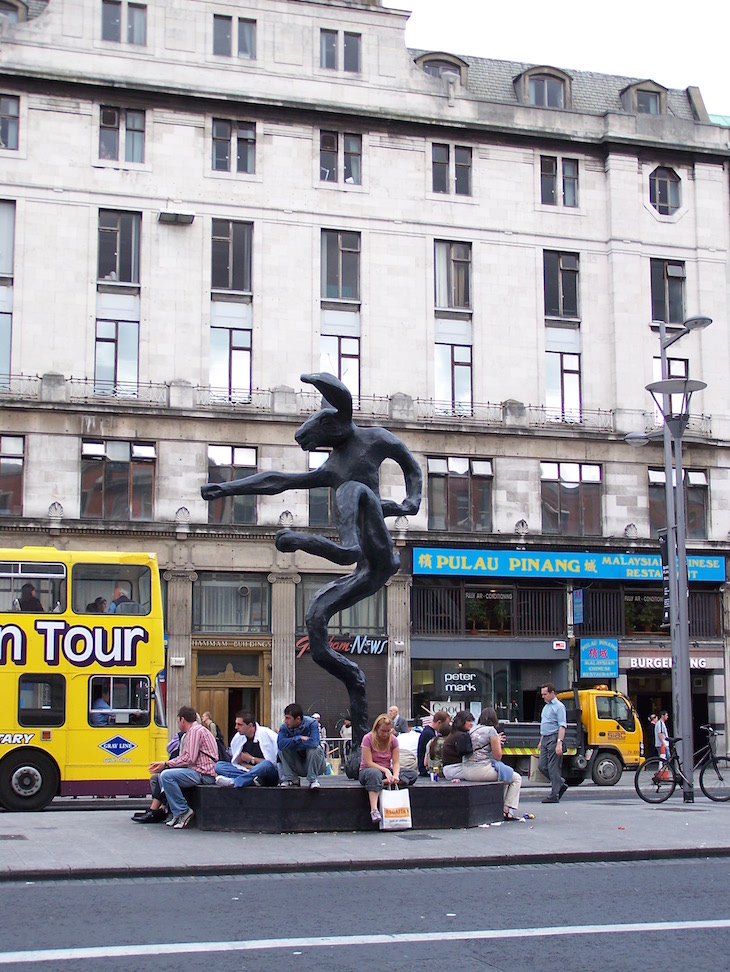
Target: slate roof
592,93
35,7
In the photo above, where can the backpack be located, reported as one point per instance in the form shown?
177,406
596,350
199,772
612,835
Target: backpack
224,753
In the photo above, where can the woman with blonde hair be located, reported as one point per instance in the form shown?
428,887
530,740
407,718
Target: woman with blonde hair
484,764
380,763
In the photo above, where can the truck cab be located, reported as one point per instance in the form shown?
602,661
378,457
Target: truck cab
614,739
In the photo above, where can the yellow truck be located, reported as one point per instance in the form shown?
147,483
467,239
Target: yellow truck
603,737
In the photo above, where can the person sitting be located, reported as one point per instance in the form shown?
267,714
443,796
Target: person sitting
408,744
400,724
29,600
457,745
300,751
380,763
434,753
438,719
100,707
119,597
484,764
254,752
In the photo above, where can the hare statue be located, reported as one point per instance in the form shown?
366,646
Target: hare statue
352,470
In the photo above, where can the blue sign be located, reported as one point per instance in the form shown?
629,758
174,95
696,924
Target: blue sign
599,658
117,746
578,606
564,564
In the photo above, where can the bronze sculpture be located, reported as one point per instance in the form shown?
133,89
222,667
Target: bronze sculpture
352,470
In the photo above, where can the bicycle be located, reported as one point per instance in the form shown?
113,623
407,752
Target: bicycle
656,779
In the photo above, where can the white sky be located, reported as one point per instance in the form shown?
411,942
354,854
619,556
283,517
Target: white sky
675,43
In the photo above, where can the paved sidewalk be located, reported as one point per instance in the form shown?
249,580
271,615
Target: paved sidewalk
590,824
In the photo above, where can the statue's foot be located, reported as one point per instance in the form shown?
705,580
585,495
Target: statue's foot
287,541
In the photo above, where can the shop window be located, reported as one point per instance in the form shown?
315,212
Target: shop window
460,494
119,700
41,700
226,464
489,612
231,602
571,499
644,611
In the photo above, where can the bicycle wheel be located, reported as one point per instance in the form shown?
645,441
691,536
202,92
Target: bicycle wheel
715,780
655,780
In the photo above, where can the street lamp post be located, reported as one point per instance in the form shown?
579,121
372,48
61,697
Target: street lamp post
664,393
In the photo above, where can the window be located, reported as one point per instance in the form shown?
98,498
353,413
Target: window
321,498
226,464
9,113
460,494
443,177
696,502
223,37
231,255
231,602
119,700
453,379
340,356
648,102
365,617
452,274
436,68
9,13
230,363
676,368
330,163
667,291
234,139
560,273
121,125
547,91
562,386
112,12
571,499
41,700
555,191
329,53
119,246
11,475
24,585
117,479
340,265
93,583
664,191
7,254
116,358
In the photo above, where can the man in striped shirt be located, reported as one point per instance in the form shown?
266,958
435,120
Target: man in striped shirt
195,765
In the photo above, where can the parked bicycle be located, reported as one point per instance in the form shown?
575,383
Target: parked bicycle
656,779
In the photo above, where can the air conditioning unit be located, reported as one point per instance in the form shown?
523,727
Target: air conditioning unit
110,118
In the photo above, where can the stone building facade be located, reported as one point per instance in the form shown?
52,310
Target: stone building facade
200,201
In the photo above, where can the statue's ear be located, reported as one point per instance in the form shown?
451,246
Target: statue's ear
333,391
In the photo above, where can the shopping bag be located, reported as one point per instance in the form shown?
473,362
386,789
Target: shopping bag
535,774
395,810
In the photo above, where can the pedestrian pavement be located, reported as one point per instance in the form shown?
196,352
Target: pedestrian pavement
590,823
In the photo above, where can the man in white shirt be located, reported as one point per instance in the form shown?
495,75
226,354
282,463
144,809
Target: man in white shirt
408,745
254,752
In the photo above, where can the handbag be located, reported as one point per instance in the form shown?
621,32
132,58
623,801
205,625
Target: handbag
395,809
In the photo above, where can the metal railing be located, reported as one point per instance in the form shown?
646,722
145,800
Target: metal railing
21,387
88,390
597,419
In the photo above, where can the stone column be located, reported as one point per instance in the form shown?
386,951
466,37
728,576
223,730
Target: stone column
398,595
179,620
283,652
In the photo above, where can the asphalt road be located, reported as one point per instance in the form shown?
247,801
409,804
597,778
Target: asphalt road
569,917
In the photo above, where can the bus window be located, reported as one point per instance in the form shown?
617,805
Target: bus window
160,698
119,700
41,700
36,588
111,588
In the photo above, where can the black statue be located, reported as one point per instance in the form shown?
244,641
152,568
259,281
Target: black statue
352,469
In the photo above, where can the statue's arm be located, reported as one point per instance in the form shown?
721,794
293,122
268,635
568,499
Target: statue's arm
266,483
414,483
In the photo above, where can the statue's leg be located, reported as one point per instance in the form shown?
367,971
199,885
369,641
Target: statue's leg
290,540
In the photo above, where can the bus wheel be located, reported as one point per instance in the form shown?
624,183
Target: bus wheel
28,780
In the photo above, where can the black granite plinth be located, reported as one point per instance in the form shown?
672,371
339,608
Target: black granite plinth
339,805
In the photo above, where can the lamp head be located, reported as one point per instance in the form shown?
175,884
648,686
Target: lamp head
697,323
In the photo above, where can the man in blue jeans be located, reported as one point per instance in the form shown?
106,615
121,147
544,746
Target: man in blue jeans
300,751
553,725
195,765
254,752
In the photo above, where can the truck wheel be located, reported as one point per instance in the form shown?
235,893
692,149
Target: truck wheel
28,780
607,769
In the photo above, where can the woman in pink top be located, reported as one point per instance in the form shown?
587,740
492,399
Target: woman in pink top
380,764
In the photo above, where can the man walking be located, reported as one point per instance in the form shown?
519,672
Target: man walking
661,735
553,725
300,751
254,753
194,765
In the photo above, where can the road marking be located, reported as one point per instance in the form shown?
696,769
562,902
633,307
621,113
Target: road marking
348,941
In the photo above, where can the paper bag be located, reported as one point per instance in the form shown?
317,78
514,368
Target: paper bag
395,810
535,774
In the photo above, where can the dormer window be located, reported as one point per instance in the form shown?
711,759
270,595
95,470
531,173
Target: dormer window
664,191
647,102
546,91
436,65
437,68
12,13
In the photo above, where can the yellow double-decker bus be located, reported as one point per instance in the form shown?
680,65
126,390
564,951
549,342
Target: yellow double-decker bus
82,659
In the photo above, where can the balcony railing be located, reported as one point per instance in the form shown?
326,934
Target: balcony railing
87,390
